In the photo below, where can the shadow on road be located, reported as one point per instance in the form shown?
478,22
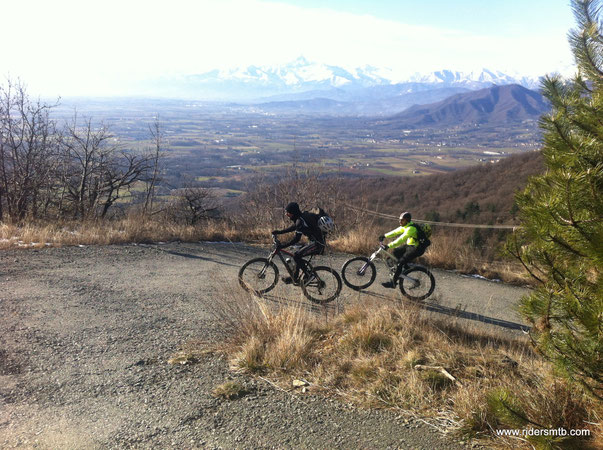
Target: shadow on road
191,256
458,312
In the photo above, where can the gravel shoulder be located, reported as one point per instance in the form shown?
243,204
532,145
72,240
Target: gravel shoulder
86,333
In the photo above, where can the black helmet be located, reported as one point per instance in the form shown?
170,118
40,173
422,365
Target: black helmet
405,215
293,208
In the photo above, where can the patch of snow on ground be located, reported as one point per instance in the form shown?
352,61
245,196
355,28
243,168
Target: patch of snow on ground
496,280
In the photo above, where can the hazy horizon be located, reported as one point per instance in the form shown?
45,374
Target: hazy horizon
72,48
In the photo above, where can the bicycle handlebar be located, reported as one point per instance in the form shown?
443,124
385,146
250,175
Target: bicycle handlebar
275,241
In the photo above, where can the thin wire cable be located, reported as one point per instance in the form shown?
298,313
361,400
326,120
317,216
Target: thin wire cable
432,222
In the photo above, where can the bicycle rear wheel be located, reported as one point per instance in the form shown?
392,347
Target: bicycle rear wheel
258,275
358,273
322,286
423,285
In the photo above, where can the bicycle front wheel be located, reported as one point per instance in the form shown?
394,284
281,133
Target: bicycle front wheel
322,286
258,275
358,273
421,286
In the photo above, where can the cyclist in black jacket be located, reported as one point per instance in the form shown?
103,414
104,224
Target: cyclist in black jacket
303,225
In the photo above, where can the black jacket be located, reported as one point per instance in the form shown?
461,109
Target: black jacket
302,225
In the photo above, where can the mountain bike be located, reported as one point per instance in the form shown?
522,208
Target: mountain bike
320,284
416,282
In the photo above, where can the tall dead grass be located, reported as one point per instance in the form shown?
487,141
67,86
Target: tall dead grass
461,379
134,228
360,240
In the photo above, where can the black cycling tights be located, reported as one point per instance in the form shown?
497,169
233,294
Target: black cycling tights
313,248
405,254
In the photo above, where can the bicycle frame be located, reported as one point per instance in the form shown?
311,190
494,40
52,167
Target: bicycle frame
390,261
306,267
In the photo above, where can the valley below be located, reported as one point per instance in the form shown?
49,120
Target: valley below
226,145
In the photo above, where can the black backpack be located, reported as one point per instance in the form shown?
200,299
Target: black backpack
313,216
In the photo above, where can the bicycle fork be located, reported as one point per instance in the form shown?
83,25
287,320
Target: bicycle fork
262,273
366,264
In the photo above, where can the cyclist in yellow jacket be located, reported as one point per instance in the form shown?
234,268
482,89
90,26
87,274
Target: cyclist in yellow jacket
406,245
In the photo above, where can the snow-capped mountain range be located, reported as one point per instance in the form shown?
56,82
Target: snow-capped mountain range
301,75
475,79
304,87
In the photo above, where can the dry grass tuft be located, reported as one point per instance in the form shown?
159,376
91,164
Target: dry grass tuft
278,339
361,240
192,352
370,353
230,390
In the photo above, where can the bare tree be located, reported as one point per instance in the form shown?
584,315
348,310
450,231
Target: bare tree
99,171
268,194
193,204
29,147
87,153
78,170
155,158
121,173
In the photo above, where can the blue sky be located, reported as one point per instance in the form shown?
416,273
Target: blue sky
78,47
489,17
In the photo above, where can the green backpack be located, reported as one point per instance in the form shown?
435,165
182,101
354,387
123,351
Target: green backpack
423,234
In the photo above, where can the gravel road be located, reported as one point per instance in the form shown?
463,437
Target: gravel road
86,333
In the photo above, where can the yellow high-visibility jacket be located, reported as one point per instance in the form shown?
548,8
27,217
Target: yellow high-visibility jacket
406,235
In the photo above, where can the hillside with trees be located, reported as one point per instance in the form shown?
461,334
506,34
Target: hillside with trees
482,194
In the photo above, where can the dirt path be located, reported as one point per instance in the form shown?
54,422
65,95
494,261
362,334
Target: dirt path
86,332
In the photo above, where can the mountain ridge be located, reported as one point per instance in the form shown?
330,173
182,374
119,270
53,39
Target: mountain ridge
497,104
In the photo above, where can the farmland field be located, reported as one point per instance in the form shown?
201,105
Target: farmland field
223,145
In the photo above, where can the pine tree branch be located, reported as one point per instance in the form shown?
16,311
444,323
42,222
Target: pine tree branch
562,135
557,274
566,246
590,389
517,255
519,415
577,369
586,53
585,13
